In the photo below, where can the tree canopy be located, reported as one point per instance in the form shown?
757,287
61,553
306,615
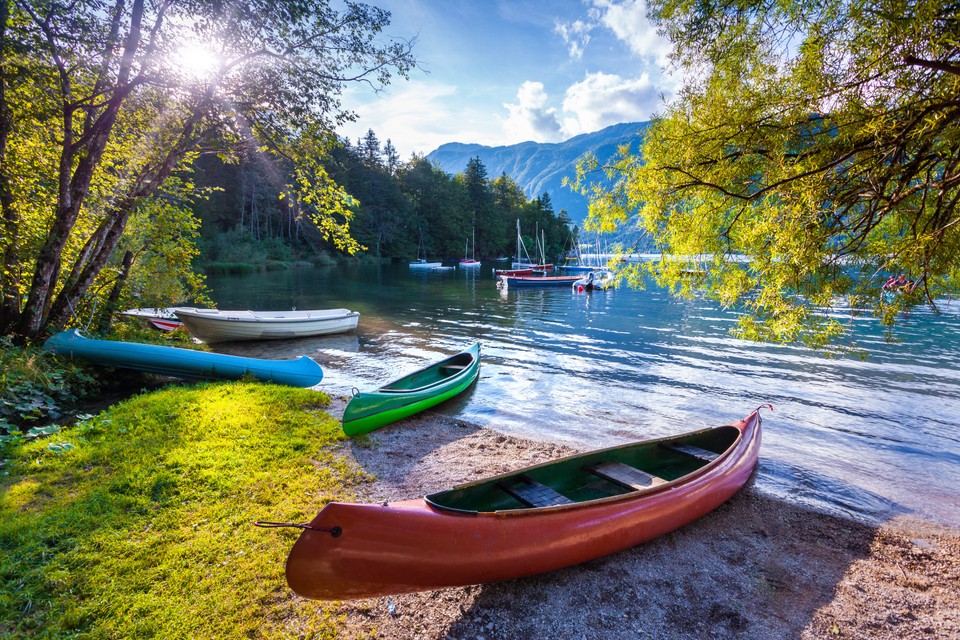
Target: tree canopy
813,151
102,103
398,204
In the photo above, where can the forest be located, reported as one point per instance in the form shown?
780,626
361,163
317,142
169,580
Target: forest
397,209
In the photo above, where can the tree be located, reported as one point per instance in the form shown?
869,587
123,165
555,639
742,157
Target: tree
813,151
482,220
391,159
100,103
369,148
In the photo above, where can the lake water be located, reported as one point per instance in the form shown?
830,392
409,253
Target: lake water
872,438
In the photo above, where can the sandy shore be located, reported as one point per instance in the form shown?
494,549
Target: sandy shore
757,567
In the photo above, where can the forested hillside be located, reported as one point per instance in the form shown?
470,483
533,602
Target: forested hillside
395,204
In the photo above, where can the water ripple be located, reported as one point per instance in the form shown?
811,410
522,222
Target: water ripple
869,438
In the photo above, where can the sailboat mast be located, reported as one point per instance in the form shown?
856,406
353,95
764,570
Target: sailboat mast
518,240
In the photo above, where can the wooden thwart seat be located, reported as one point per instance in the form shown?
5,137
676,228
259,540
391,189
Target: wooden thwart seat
696,452
453,368
532,493
624,474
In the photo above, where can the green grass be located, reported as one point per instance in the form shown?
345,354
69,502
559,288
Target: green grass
137,523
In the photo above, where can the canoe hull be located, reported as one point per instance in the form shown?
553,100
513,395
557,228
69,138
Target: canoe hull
412,546
369,411
184,363
213,326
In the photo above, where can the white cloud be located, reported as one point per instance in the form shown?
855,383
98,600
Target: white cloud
418,118
531,118
576,35
602,99
627,19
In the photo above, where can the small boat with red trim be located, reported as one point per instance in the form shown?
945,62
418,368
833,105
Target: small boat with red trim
514,282
162,318
524,522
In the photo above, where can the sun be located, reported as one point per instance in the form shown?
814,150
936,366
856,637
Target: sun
196,60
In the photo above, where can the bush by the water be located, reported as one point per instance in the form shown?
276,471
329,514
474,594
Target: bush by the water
36,386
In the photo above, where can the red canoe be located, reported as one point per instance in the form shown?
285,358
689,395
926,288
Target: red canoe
525,522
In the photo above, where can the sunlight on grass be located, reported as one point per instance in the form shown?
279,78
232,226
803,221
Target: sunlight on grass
142,527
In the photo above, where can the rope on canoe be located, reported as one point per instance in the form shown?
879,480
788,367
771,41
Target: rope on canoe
757,411
333,531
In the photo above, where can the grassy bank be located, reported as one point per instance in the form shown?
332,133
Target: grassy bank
137,522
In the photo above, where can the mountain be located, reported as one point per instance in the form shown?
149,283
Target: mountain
540,167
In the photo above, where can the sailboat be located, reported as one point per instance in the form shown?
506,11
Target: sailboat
519,268
471,261
421,261
575,262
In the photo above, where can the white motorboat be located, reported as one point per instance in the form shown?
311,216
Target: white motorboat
214,325
596,279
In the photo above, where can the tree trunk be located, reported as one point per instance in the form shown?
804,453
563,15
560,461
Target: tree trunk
10,276
107,236
110,309
64,305
75,180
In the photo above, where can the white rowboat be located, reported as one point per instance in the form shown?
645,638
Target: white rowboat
213,325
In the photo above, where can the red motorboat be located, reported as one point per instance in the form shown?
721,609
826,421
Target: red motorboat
525,522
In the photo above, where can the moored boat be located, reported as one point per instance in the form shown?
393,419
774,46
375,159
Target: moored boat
596,279
513,272
538,281
423,264
413,393
183,363
470,262
522,267
214,325
524,522
421,261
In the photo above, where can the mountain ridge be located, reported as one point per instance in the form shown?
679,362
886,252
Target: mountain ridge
539,167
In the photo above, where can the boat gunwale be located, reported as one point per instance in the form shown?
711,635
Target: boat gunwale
444,381
629,495
452,382
217,317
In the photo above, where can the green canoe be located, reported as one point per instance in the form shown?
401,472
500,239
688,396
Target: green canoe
412,393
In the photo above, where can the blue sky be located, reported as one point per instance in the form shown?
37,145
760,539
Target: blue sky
499,72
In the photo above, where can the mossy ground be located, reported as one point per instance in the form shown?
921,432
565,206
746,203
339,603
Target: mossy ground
137,522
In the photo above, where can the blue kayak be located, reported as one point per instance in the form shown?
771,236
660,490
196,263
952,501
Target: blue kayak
184,363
